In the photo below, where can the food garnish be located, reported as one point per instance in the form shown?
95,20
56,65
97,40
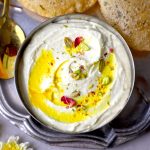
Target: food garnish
82,108
84,47
90,86
79,74
101,64
69,101
75,93
68,42
66,26
105,80
76,46
78,40
111,50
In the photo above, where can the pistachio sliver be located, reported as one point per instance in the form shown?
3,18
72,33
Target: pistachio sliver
78,71
101,64
75,76
75,93
84,47
90,86
68,42
105,80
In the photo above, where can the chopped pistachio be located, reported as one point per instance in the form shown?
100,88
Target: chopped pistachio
96,63
66,26
79,74
100,94
83,75
84,47
90,86
75,93
68,42
77,71
112,67
105,80
81,108
108,103
73,110
101,64
75,76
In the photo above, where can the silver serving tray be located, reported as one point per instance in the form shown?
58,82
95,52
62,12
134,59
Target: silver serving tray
132,121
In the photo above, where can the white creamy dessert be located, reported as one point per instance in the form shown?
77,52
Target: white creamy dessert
76,75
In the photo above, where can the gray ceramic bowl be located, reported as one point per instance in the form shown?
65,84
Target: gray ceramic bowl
18,68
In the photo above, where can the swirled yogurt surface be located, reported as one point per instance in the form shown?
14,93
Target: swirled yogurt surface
77,75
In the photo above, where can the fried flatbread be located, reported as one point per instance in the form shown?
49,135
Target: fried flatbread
51,8
131,18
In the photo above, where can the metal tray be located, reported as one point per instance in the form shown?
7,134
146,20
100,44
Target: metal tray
132,121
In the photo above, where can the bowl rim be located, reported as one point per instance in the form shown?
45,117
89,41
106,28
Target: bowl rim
57,19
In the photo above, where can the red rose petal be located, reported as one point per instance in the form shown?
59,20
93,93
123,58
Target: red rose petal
69,101
111,50
78,40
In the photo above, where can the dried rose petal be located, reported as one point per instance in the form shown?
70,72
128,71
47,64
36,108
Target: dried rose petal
69,101
11,50
105,54
78,40
82,67
111,50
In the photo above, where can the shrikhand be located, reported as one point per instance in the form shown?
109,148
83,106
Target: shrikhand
74,72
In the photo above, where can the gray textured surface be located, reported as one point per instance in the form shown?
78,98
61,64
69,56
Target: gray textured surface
7,129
